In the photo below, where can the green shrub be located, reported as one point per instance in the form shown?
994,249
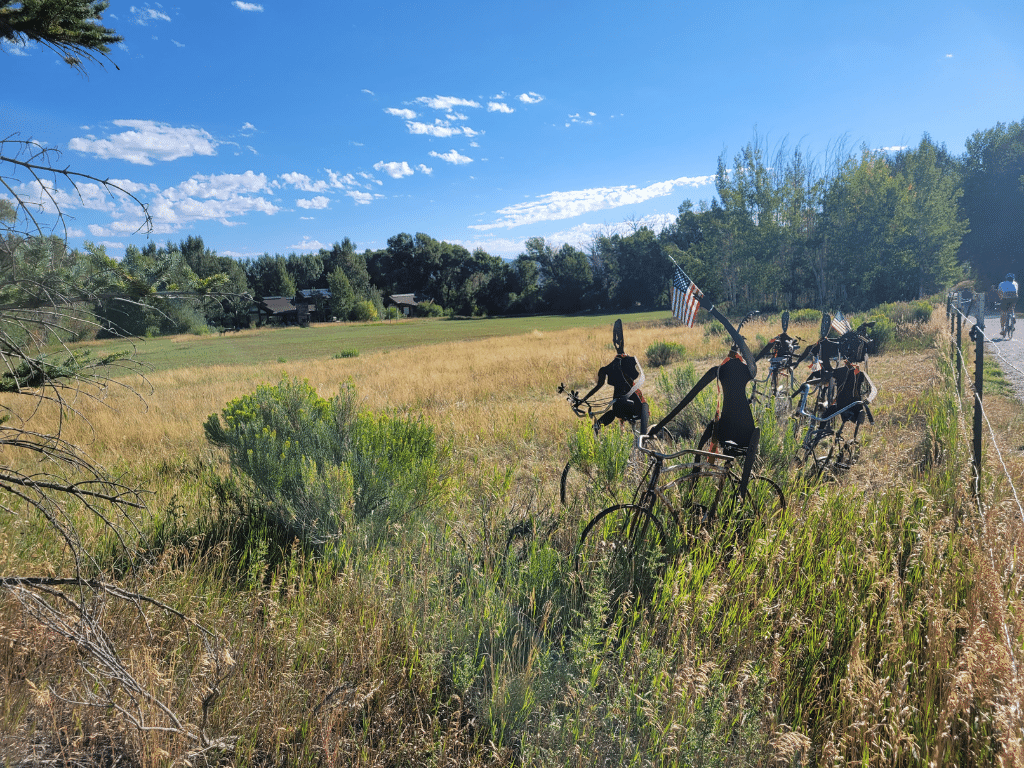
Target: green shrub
662,353
906,311
429,309
363,312
346,353
602,457
882,335
805,316
320,465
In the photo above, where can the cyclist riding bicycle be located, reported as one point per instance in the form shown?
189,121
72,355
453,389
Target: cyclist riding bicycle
1007,292
626,377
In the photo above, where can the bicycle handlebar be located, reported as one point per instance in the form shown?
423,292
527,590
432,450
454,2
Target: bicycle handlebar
802,408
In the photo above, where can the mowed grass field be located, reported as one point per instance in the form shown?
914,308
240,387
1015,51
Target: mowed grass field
876,622
325,340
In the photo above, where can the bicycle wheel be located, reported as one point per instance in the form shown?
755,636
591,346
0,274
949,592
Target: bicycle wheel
764,503
625,542
818,454
578,486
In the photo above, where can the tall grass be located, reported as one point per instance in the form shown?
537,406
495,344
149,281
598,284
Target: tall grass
875,622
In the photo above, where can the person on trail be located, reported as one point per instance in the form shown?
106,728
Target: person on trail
1007,292
626,377
733,426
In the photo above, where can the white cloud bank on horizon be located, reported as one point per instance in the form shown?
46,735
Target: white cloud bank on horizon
147,142
579,236
566,205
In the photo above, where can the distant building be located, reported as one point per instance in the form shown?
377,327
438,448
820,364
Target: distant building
320,303
405,302
282,310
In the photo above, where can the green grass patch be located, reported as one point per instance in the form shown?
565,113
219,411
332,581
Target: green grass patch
268,345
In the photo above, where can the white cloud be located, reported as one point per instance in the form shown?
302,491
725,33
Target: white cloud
146,142
499,106
340,182
307,245
424,169
303,183
467,131
367,90
16,47
447,103
578,120
222,197
247,6
530,98
248,128
318,203
893,149
361,198
439,129
452,157
370,178
180,45
565,205
949,55
146,14
582,234
406,114
393,169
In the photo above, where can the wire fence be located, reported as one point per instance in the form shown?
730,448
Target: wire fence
961,311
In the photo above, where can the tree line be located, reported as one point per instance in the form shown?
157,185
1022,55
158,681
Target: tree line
851,230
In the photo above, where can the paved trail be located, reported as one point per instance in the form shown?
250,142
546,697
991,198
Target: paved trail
1009,353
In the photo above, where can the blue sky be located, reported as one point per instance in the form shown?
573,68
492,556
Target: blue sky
284,127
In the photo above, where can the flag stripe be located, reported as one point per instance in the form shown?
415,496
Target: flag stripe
685,298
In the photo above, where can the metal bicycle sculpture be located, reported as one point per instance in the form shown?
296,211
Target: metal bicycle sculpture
689,495
773,392
839,393
578,477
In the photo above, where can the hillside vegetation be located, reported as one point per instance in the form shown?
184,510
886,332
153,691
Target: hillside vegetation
875,622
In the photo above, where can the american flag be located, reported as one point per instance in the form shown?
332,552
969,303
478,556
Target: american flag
840,324
685,298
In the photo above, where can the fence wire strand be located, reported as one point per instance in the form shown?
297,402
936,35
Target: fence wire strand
1010,646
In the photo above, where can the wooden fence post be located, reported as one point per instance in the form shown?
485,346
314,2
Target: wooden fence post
978,337
959,355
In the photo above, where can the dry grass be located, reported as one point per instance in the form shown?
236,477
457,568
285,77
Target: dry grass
877,623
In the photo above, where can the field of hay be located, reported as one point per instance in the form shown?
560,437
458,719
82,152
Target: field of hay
876,621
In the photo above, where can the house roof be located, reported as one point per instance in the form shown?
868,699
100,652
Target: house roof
404,299
277,305
309,293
